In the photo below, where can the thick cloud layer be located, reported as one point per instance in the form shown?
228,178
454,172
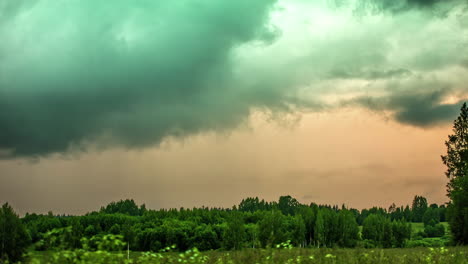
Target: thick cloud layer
131,71
135,72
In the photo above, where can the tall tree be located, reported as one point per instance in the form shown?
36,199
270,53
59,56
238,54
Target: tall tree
419,208
272,228
319,229
13,235
456,161
235,232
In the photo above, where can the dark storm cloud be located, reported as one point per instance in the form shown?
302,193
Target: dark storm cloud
437,7
415,108
132,72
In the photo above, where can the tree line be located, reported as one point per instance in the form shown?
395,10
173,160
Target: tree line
254,223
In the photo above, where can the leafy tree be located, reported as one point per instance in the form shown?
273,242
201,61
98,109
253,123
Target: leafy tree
442,213
348,229
288,205
374,228
434,230
235,232
308,216
456,161
431,215
408,214
13,235
205,238
115,229
298,230
401,233
319,229
419,208
272,228
128,207
331,226
129,234
254,204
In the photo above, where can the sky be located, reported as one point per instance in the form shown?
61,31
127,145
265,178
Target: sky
205,102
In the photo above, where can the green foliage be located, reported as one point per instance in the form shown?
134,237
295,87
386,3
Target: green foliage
456,161
431,216
234,234
288,205
428,242
373,228
382,232
419,208
401,233
255,224
348,229
434,230
319,230
254,204
128,207
272,228
13,235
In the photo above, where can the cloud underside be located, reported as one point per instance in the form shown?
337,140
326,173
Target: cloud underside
133,74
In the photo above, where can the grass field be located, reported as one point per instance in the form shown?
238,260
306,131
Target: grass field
296,255
433,252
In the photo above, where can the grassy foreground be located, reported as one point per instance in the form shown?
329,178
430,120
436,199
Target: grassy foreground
441,255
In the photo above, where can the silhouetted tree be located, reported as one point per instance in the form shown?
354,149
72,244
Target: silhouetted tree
456,161
419,208
13,235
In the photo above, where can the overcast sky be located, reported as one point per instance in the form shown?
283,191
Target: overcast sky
205,102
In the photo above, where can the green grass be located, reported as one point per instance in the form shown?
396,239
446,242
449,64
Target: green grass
458,255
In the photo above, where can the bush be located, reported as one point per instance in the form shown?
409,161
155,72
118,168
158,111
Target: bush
437,230
427,242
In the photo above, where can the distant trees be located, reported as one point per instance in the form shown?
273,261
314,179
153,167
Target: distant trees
251,204
13,235
254,223
127,206
382,232
288,205
456,161
419,208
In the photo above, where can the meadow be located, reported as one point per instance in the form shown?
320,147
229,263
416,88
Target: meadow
442,255
280,253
